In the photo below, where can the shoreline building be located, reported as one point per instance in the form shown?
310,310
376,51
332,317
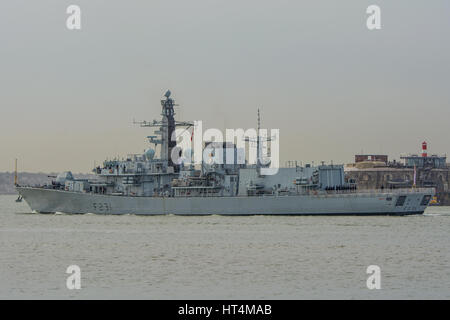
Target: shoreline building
372,171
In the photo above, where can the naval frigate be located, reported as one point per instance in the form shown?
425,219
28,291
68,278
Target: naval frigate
144,184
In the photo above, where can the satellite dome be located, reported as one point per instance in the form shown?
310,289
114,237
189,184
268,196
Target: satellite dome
150,154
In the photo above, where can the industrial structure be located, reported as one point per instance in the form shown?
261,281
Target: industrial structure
416,170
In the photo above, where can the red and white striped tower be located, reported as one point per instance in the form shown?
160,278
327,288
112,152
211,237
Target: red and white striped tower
424,149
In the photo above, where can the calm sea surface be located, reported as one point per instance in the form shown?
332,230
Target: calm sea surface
215,257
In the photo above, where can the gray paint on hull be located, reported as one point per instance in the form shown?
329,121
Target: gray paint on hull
48,200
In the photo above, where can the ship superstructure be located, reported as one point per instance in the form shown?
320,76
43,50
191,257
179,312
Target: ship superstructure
146,184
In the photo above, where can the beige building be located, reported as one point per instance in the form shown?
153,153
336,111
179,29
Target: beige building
378,175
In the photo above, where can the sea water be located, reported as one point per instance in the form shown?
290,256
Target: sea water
222,257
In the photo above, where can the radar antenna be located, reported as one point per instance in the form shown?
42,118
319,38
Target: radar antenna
166,126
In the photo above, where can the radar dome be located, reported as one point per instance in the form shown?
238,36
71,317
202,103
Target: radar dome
150,154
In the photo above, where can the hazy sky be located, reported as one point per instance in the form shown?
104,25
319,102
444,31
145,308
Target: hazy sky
332,87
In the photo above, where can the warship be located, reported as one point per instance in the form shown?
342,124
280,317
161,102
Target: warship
144,184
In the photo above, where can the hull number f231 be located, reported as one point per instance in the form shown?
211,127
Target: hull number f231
101,206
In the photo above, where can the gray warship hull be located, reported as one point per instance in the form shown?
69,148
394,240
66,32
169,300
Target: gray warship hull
372,202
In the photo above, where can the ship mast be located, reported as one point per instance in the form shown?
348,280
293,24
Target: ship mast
166,127
15,172
258,141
